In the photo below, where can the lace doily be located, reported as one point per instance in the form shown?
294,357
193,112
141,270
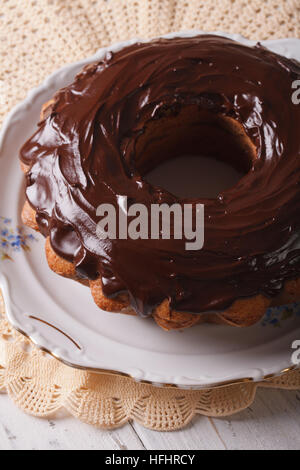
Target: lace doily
37,37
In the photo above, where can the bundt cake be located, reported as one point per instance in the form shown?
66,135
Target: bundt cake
138,107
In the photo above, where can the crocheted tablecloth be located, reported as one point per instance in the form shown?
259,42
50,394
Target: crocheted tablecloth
37,37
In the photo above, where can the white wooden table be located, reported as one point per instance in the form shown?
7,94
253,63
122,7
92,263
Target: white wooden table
272,422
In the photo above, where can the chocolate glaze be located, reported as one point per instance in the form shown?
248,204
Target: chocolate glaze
82,155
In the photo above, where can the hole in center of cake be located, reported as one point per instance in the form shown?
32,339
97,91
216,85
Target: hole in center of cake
194,154
194,176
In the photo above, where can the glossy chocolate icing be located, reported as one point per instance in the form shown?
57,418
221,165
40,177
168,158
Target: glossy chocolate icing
83,154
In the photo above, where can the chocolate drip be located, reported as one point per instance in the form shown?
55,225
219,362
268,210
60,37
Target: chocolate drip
83,155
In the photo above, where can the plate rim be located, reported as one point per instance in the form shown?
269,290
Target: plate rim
8,122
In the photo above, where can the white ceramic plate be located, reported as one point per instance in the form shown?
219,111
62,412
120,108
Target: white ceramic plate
84,336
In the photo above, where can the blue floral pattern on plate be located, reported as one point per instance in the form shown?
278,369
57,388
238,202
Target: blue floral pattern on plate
277,315
13,240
